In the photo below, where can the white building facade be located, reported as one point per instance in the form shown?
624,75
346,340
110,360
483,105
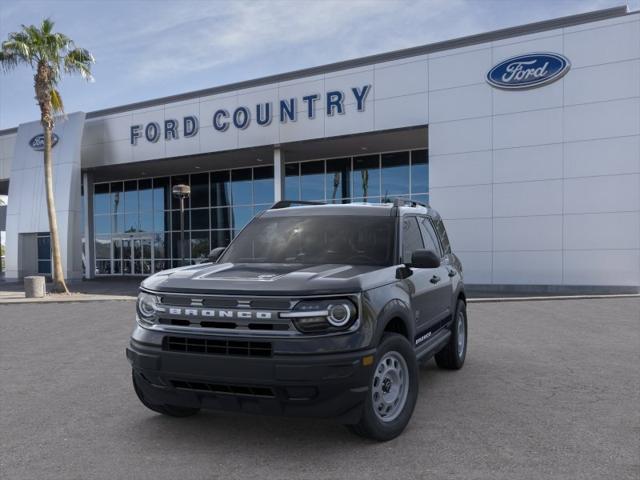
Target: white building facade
526,140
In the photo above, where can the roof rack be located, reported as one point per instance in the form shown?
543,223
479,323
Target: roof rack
293,203
404,202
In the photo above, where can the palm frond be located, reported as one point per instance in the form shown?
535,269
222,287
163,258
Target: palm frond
56,101
79,60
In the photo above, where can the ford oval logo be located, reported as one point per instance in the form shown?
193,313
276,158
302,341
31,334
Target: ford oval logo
37,142
528,71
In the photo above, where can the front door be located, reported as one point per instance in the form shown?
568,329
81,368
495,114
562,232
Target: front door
133,256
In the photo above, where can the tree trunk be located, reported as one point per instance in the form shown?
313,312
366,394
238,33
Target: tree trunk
43,94
59,284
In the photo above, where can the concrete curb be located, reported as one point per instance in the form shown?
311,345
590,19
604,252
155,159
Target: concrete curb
548,298
69,299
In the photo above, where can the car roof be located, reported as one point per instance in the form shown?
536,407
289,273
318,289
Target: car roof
288,209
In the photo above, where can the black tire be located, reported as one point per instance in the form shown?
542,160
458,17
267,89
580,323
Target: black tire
450,357
370,425
169,410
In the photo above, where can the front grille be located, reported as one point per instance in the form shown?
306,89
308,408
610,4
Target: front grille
255,391
217,347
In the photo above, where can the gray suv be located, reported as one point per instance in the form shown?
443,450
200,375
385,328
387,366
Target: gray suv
314,310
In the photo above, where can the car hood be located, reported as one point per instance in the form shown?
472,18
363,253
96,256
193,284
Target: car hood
269,279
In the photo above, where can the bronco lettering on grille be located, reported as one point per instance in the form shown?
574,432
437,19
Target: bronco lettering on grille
215,313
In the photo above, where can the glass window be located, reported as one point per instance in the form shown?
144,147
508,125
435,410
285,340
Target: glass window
263,185
101,198
337,182
312,180
292,181
179,180
175,245
220,189
118,253
161,265
363,240
241,187
200,219
175,220
200,190
102,224
241,216
44,266
131,222
419,171
44,247
395,174
103,247
442,233
220,238
103,267
429,236
145,195
200,246
220,218
411,238
161,221
117,198
161,194
131,203
161,243
366,177
146,221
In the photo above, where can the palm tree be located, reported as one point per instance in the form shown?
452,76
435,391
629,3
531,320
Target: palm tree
50,55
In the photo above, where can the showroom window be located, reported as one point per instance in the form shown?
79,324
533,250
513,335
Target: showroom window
137,222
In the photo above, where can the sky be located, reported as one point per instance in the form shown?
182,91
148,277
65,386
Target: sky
152,48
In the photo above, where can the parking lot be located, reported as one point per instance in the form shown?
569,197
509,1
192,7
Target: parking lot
551,389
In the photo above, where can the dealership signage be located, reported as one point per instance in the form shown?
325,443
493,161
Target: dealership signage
528,71
288,110
37,142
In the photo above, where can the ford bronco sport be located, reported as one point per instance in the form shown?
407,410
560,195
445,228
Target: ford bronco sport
314,310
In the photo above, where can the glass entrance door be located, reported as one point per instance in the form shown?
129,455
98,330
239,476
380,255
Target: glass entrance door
133,256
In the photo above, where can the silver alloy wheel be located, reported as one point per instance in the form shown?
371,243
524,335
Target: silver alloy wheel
462,334
390,386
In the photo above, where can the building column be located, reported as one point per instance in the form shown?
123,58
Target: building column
87,212
278,174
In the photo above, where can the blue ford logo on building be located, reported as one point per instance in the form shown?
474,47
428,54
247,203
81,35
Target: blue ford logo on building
37,142
528,71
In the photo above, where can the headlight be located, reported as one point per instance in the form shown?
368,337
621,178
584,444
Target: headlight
311,316
146,307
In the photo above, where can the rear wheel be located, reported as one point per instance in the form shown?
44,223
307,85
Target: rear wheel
393,391
452,356
170,410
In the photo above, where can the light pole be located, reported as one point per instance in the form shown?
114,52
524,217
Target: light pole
182,192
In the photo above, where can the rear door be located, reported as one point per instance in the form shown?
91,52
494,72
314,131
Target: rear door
440,281
424,303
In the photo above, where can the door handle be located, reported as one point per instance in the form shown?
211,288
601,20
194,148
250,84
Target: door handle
435,279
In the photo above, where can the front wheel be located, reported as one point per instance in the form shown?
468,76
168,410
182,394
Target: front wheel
452,356
393,391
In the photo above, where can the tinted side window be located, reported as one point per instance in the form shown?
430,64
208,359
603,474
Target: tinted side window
411,238
442,233
430,239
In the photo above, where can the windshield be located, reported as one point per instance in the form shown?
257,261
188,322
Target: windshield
315,240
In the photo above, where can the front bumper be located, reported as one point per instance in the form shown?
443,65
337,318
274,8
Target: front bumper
330,385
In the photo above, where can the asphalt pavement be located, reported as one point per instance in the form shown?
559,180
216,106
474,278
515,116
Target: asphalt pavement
550,390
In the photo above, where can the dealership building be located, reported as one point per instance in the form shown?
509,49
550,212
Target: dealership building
526,140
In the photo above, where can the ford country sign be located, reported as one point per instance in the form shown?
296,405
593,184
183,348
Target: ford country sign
528,71
37,142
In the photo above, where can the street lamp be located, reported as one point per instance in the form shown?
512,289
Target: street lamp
182,192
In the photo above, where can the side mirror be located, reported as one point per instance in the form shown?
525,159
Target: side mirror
424,259
214,254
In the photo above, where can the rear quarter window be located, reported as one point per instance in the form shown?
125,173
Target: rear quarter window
442,234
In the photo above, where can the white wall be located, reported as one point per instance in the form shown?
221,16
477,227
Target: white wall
7,145
397,99
542,186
